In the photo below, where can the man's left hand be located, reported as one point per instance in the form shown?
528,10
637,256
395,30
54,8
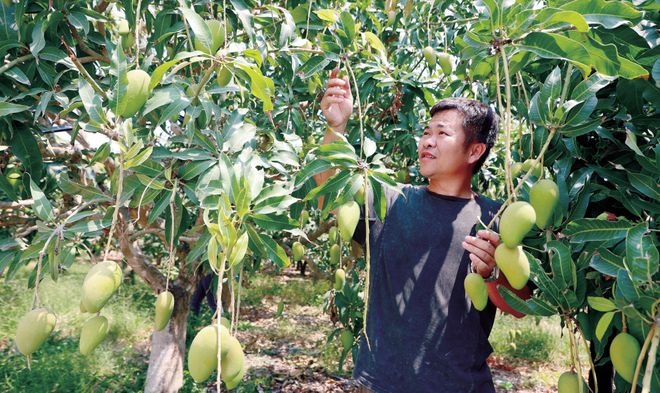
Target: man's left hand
482,251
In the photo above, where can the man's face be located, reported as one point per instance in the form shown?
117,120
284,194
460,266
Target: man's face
441,148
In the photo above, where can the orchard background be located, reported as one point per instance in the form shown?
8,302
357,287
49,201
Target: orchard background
204,172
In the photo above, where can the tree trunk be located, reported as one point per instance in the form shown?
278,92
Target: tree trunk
168,348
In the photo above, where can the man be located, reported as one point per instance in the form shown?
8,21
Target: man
424,334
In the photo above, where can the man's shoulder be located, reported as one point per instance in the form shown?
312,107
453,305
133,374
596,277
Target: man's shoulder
488,203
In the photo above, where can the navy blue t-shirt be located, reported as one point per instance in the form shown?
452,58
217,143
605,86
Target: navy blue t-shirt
424,334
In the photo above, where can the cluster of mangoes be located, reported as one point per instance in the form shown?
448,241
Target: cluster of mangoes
516,221
203,356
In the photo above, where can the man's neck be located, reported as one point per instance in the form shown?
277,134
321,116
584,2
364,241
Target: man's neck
457,187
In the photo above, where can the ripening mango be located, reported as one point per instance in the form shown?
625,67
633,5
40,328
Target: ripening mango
430,56
517,220
346,339
203,352
477,290
544,197
514,264
340,279
93,333
298,251
568,383
335,254
33,330
137,92
624,351
444,59
234,361
164,308
347,220
100,283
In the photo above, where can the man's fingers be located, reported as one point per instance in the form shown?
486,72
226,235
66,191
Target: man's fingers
478,252
491,236
335,91
333,73
479,266
481,244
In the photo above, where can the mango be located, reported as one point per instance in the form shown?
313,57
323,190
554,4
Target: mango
137,92
444,59
529,164
218,34
224,76
232,383
544,196
93,332
33,330
430,56
347,220
568,383
203,352
82,307
333,235
233,362
346,339
225,322
164,308
514,264
340,279
516,169
298,251
99,285
359,196
477,290
335,254
122,27
516,221
624,351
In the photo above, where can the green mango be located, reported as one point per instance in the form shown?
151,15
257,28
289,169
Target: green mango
232,383
298,251
333,235
347,220
516,169
340,279
33,329
529,164
203,352
568,383
233,361
517,220
93,333
624,352
164,308
99,285
514,264
444,59
430,56
335,254
137,93
123,28
477,290
218,34
346,339
544,196
359,196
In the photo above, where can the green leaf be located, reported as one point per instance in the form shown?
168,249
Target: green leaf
609,14
7,188
313,66
92,102
275,252
349,25
312,168
38,41
24,146
603,323
375,43
558,16
582,129
89,194
159,72
590,86
139,158
645,185
563,267
641,254
333,184
7,108
198,26
625,286
601,304
274,222
606,262
535,307
41,207
327,15
262,87
589,229
101,154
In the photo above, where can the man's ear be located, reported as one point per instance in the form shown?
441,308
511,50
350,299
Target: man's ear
476,150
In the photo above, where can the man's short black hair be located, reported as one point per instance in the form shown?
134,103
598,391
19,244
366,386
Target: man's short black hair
479,123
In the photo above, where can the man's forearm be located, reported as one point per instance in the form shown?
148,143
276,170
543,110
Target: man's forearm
329,137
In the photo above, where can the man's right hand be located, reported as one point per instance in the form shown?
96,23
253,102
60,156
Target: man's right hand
337,102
